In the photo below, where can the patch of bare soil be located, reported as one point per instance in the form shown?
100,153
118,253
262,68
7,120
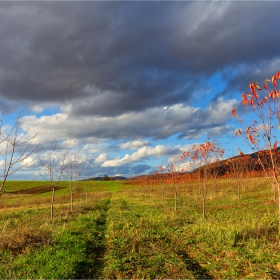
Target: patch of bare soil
36,190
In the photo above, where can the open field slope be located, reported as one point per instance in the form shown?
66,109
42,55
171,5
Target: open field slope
122,231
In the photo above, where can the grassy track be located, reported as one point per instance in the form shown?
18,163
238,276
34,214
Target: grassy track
122,232
145,240
70,248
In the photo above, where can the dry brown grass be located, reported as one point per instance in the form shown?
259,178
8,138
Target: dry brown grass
20,201
23,238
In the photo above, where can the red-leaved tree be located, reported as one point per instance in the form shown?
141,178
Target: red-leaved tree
204,157
261,127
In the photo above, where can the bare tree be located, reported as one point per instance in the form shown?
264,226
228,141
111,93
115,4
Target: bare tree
53,162
161,177
16,149
74,169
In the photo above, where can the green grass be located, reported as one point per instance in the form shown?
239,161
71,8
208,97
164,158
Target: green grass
147,241
10,199
73,248
112,186
125,232
20,185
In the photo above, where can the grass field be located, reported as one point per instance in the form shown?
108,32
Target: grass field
118,231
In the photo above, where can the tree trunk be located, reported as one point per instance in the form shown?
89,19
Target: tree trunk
203,198
203,206
238,189
72,202
278,188
175,201
52,203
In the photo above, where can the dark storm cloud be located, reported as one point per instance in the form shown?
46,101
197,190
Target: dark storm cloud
107,58
141,168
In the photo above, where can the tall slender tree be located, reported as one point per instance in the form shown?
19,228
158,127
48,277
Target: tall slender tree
74,168
260,128
53,163
204,155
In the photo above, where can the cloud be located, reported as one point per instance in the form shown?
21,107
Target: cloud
101,158
178,119
142,153
107,76
133,164
141,168
133,145
111,58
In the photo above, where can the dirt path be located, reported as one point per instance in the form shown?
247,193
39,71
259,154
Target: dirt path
93,266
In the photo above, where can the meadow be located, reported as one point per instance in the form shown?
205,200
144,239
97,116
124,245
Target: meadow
123,230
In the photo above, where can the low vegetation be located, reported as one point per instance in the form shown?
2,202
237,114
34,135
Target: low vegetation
118,230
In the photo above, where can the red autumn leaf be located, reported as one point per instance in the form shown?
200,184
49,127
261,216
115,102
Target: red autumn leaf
276,92
187,154
234,112
244,96
274,78
238,131
275,145
256,95
252,87
251,138
265,86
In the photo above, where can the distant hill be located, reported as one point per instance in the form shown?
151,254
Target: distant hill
115,178
139,177
247,161
221,168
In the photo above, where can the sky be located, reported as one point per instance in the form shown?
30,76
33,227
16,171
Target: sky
132,84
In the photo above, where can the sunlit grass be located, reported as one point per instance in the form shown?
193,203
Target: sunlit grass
11,198
20,185
237,240
118,231
33,247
